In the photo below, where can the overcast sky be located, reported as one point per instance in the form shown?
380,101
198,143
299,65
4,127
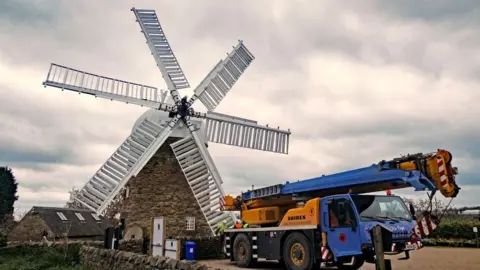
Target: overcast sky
356,83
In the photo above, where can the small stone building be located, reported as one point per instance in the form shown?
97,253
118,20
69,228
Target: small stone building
55,223
161,189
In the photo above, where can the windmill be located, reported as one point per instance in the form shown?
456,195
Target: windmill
175,117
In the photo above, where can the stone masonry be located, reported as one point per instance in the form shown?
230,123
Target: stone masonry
30,229
161,189
95,258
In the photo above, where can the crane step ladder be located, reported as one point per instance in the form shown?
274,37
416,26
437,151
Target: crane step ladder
205,188
100,86
126,161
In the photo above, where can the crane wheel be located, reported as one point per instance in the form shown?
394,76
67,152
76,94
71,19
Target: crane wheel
242,250
297,252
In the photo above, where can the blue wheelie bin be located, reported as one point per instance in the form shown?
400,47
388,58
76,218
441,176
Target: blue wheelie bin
190,251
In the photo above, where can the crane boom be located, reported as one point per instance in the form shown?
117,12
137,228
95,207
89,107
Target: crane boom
429,172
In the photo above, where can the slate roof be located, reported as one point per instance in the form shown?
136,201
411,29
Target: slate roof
78,228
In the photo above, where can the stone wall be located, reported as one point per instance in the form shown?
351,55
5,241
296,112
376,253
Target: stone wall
134,246
161,189
97,244
95,258
205,247
30,228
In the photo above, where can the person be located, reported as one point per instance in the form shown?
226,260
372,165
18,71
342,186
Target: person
238,224
333,219
221,233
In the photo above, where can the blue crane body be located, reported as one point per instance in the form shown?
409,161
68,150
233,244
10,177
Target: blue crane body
330,218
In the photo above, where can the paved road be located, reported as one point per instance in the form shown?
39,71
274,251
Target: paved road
426,258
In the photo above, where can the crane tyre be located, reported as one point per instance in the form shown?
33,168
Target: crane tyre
242,251
297,252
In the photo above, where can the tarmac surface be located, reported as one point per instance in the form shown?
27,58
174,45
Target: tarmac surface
426,258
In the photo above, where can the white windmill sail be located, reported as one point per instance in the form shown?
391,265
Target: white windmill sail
83,82
161,51
231,130
147,136
224,75
202,177
132,155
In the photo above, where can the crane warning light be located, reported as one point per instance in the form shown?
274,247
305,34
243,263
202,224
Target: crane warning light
389,192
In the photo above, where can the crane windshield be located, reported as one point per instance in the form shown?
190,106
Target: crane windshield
381,207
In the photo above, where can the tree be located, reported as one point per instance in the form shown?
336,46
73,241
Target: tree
115,207
8,192
8,196
71,203
437,207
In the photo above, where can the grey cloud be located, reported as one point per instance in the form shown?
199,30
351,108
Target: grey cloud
37,167
36,132
105,39
437,11
25,205
9,154
468,179
36,14
283,43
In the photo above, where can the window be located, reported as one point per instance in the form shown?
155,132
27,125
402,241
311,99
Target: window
371,207
190,223
95,217
80,217
341,213
61,216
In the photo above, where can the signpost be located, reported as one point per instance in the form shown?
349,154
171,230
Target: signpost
475,230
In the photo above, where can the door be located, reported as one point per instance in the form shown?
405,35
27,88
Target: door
340,223
158,236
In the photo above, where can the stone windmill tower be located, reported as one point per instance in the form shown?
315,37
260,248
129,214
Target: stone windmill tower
164,162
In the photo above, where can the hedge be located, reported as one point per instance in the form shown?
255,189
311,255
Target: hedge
456,229
442,242
454,233
38,257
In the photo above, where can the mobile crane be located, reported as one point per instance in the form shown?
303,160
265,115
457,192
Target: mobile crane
329,219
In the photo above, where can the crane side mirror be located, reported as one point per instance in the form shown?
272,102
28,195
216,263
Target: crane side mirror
412,210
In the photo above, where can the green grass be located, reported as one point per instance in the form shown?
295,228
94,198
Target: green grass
39,258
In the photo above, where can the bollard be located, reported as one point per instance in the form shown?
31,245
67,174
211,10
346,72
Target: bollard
380,262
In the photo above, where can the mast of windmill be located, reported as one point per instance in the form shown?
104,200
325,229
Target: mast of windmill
164,119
